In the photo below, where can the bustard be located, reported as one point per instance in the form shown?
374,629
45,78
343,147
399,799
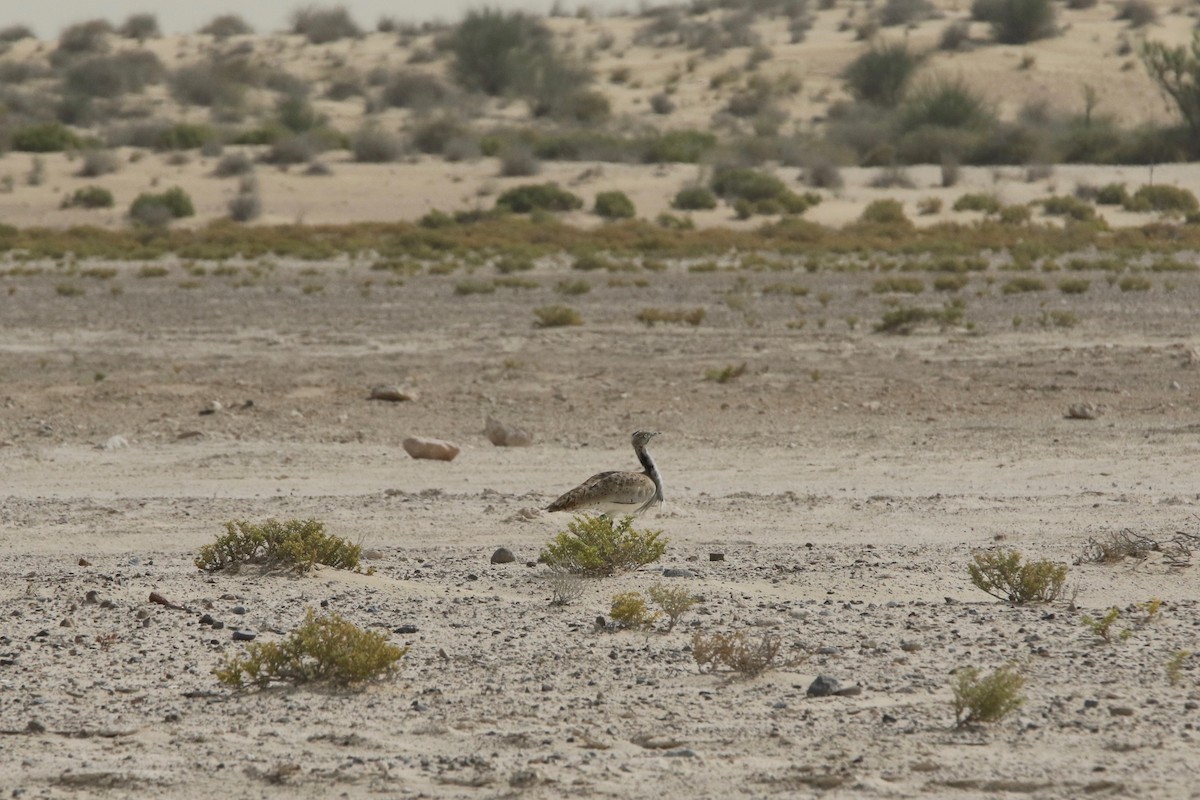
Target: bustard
616,492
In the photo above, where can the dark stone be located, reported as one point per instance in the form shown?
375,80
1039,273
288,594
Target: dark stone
678,572
244,636
218,625
406,629
207,619
92,596
238,609
716,556
822,686
503,556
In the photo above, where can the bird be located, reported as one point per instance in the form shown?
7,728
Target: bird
616,491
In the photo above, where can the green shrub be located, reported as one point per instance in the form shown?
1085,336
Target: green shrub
679,146
140,26
735,652
540,197
1066,205
471,286
375,145
1002,575
881,74
111,76
905,319
185,136
81,39
90,197
725,374
412,89
322,25
225,25
986,699
747,184
297,545
175,201
1158,197
694,198
48,137
1017,21
1112,194
556,317
1074,285
1103,627
884,212
978,201
943,103
598,547
950,283
493,49
327,650
614,205
628,610
675,601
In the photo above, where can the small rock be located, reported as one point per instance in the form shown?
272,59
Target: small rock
244,636
829,650
503,556
67,623
849,691
107,604
142,614
406,629
683,752
822,686
716,556
207,619
503,435
887,719
678,572
218,625
1084,411
83,562
113,443
372,555
35,727
392,394
523,779
238,609
212,408
435,449
1091,702
1120,711
910,646
92,596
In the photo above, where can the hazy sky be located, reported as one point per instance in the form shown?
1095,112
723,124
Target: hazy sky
174,16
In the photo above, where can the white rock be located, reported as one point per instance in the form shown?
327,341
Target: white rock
393,394
430,448
114,443
503,435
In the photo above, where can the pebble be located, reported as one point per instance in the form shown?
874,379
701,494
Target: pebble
218,625
392,394
67,623
142,614
92,596
113,443
716,556
829,650
1091,702
503,435
405,629
822,686
435,449
244,636
1083,411
35,727
238,609
503,556
1120,711
678,572
683,752
910,646
207,619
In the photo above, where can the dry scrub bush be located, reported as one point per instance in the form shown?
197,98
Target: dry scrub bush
726,374
556,316
1004,576
226,25
322,25
735,652
599,547
1102,627
650,316
1116,547
328,650
565,587
628,610
675,601
986,699
297,545
246,205
89,197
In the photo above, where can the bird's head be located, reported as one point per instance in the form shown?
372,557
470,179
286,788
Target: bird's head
641,438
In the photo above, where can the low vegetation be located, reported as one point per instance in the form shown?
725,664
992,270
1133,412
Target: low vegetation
1006,576
327,650
743,655
556,316
598,547
986,698
296,545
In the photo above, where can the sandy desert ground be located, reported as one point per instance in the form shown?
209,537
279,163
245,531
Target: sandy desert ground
847,476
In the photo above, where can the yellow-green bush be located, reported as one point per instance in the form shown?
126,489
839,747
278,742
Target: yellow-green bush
597,546
1003,575
986,699
296,544
327,649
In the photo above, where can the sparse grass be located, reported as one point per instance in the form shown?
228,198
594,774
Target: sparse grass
474,286
297,545
156,209
89,197
556,316
986,699
326,649
905,319
725,374
1102,627
1117,546
735,652
565,587
1134,283
1175,666
1160,197
153,271
905,284
1004,576
950,283
573,288
1023,284
628,610
978,201
1074,285
1058,318
70,290
599,547
652,316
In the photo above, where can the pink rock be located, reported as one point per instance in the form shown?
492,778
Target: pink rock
430,448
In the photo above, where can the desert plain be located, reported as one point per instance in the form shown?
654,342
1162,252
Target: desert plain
844,473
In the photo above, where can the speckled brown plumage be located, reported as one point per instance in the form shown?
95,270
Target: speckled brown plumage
616,492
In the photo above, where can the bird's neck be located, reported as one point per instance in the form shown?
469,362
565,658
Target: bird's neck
651,470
